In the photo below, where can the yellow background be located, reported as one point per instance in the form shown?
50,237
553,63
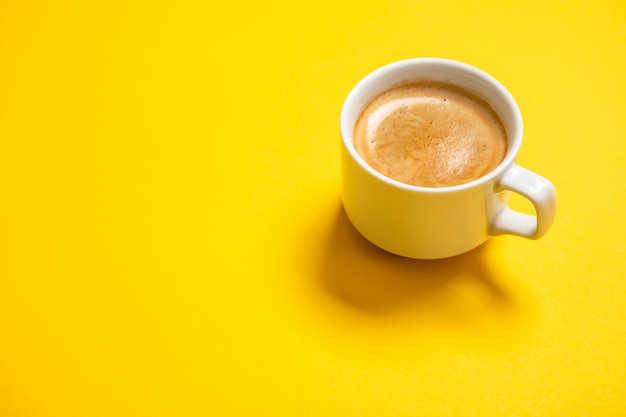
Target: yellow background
172,241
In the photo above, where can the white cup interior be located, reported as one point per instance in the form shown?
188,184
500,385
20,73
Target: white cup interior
448,71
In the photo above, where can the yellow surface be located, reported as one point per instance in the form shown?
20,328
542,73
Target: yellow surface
172,241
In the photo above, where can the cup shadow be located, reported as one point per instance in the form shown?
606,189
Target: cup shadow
374,282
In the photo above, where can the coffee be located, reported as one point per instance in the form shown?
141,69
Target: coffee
430,134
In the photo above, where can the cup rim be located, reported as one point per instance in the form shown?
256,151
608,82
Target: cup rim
513,144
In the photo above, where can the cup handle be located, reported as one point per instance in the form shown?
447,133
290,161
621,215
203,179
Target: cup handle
535,188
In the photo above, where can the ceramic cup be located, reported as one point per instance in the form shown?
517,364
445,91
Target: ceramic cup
429,223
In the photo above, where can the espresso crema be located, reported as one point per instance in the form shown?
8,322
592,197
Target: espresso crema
430,134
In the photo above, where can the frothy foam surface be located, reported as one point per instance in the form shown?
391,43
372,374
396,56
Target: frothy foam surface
430,134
